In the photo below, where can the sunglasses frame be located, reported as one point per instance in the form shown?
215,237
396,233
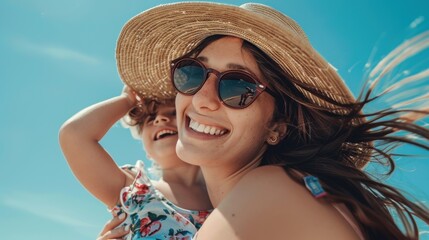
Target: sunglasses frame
259,86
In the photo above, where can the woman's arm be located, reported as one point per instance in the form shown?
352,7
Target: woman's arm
79,139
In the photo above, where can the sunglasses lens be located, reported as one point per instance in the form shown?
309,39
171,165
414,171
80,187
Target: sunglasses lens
188,76
237,90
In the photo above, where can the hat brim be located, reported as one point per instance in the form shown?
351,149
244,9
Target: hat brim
153,38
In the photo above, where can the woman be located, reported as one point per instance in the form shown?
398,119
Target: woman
287,161
174,206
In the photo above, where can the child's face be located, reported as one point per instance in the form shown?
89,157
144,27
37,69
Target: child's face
159,133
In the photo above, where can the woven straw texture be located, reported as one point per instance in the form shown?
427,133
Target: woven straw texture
152,39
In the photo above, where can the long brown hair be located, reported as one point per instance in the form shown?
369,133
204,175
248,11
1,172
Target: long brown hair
333,145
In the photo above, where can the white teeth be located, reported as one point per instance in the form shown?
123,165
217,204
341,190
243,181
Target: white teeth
207,129
163,132
198,127
193,125
212,131
201,128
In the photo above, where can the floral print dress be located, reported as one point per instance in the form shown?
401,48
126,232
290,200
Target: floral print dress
151,216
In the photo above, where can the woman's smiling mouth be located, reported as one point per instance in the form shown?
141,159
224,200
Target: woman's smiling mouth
202,128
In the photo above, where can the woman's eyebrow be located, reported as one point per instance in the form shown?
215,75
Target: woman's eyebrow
232,66
202,59
235,66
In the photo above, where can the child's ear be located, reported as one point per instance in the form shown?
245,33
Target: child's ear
277,132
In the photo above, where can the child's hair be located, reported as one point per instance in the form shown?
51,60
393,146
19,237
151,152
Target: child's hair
135,118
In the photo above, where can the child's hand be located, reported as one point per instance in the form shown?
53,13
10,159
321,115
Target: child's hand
131,95
111,232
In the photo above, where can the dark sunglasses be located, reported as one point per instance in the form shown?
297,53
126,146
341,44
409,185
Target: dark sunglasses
236,89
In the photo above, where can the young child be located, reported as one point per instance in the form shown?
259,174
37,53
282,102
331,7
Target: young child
287,162
154,208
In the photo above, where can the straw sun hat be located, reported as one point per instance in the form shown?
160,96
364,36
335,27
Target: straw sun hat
152,39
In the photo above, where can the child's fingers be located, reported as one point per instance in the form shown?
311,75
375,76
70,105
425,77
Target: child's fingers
131,95
116,233
110,226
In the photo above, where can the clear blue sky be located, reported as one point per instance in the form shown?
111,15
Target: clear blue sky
57,57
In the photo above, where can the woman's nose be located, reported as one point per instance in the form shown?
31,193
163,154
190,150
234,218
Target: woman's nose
206,98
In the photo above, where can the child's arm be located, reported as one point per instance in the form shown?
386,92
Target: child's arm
92,165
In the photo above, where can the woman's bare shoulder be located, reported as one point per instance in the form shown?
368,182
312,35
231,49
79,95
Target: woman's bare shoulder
268,204
268,183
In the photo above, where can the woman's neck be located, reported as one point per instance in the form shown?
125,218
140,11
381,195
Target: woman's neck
185,187
221,180
187,175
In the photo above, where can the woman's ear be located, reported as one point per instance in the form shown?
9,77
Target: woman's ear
276,133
